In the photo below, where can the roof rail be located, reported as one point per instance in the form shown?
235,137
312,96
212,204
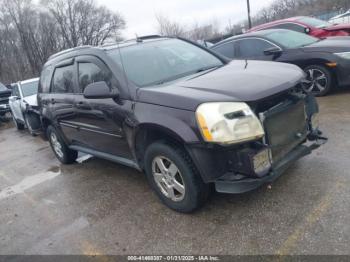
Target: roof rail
69,50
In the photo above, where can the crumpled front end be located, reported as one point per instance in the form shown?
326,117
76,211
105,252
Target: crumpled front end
291,132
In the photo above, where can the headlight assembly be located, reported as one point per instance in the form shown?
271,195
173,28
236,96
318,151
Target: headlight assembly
228,123
345,55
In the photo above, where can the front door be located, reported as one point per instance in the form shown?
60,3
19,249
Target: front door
15,103
100,122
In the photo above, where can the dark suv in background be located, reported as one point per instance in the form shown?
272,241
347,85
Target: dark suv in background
181,113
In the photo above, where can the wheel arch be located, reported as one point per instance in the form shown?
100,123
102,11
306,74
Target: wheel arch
148,133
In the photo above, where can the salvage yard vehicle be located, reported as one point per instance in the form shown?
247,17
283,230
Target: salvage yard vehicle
5,111
24,106
326,62
307,25
181,113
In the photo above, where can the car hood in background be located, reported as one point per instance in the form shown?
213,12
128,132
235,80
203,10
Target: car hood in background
31,100
345,27
238,81
331,45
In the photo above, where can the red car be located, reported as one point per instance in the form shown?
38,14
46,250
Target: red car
308,25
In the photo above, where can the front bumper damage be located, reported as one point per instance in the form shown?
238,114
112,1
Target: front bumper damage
230,184
289,136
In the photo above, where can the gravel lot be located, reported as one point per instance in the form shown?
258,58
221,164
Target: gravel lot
98,207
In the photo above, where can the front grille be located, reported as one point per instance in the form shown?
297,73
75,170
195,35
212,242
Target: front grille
4,101
285,126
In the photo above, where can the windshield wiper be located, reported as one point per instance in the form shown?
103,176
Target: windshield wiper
207,68
173,78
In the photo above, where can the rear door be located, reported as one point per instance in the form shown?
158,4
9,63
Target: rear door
60,101
100,121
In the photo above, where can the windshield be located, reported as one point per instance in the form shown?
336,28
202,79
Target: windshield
314,22
162,61
291,39
2,87
30,88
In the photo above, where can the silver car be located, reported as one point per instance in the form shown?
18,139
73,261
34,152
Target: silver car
23,104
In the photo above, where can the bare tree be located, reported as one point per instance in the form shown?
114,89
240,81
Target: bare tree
82,22
168,27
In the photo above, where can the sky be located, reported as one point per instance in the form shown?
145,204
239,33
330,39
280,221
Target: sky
140,14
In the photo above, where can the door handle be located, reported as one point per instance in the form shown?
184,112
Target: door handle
82,105
53,101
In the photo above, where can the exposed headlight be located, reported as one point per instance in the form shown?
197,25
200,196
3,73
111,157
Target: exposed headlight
345,55
228,123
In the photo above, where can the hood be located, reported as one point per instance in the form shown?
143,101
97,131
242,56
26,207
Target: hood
238,81
31,100
330,45
345,27
5,93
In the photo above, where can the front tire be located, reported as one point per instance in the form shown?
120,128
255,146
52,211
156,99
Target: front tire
319,80
59,147
174,178
31,123
18,125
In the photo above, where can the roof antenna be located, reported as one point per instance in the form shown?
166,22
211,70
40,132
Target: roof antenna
138,40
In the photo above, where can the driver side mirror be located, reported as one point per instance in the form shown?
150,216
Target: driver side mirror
99,90
273,51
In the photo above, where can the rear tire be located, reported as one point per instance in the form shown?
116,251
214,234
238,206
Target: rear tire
173,176
59,147
319,80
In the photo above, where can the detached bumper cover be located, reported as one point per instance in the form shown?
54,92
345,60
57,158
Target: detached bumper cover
234,186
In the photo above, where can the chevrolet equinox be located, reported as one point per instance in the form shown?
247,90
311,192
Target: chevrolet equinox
187,117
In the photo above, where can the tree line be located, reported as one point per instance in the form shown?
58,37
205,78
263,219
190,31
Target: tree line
30,33
278,9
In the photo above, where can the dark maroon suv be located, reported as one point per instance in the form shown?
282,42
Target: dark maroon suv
182,114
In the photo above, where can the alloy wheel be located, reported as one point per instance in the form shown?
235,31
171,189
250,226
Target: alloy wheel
168,178
316,81
57,147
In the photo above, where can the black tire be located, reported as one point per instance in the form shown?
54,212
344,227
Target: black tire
66,156
196,192
326,82
18,125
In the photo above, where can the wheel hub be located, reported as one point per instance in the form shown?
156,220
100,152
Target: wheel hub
168,178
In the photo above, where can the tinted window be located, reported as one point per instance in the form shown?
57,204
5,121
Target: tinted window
290,26
226,50
291,39
63,80
158,62
251,48
45,80
91,73
314,22
30,88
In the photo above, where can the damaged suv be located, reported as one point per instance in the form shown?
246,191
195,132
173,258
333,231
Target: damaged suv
184,115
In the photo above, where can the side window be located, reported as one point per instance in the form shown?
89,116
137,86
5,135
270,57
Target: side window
45,79
227,50
290,26
252,48
91,73
63,80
